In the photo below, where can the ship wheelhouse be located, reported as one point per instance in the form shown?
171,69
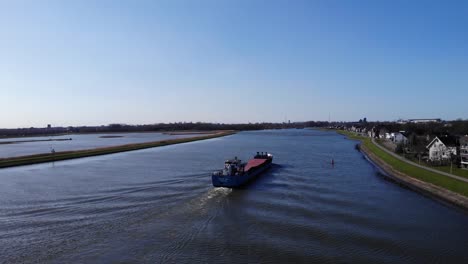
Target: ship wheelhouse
233,167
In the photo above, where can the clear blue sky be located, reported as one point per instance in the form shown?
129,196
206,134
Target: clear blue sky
100,62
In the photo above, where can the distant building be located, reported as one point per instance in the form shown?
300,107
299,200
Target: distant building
464,152
383,132
399,137
425,120
402,121
442,148
358,129
371,132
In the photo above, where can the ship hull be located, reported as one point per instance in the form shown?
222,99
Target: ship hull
239,180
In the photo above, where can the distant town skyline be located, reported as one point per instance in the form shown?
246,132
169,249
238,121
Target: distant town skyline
99,62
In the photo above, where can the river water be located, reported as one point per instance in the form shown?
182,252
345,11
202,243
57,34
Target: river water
24,146
158,206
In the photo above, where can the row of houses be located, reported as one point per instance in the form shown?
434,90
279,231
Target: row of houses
400,137
438,148
464,152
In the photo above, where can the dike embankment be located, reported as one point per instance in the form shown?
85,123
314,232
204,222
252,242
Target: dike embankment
423,187
66,155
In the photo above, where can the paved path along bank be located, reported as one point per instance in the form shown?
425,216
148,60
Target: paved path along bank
418,165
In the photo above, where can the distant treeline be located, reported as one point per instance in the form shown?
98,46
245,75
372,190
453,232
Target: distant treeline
457,127
182,126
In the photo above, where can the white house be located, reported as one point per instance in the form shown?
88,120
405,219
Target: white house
398,137
388,136
382,132
442,148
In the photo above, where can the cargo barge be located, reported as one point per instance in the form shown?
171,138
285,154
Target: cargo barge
236,174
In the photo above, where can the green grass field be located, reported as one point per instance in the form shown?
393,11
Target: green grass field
49,157
410,170
455,170
351,135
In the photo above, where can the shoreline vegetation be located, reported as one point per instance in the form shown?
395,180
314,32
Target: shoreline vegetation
65,155
430,183
107,134
151,128
34,140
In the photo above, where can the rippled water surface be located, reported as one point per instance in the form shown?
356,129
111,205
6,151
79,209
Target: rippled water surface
158,206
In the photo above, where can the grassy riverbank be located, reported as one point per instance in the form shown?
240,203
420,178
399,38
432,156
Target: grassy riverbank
50,157
411,170
454,170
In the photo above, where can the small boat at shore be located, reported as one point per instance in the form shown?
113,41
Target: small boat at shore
236,174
